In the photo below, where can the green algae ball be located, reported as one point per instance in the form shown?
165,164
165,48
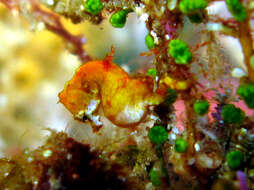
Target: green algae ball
201,107
246,92
170,97
179,51
235,159
118,19
158,134
155,177
93,6
231,114
181,145
190,6
152,72
196,18
236,9
149,41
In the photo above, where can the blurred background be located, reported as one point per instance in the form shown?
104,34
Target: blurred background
35,64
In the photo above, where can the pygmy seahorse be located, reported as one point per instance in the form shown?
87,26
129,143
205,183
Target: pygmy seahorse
124,99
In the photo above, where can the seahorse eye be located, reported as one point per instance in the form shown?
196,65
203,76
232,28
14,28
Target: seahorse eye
84,118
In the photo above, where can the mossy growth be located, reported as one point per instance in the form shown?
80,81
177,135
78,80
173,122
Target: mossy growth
170,97
181,145
201,107
179,50
235,159
191,6
158,134
67,157
149,41
237,10
246,92
118,19
232,115
93,6
155,177
12,176
252,62
129,155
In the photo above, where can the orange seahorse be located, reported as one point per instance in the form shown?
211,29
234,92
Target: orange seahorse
124,99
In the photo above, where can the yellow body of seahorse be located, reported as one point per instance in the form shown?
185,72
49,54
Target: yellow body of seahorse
124,100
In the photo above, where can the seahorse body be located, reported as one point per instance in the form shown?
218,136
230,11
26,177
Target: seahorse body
124,100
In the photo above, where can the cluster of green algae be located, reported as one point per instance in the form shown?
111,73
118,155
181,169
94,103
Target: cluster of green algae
181,54
230,114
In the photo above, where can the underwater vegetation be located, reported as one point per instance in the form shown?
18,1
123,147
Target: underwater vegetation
186,123
62,163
